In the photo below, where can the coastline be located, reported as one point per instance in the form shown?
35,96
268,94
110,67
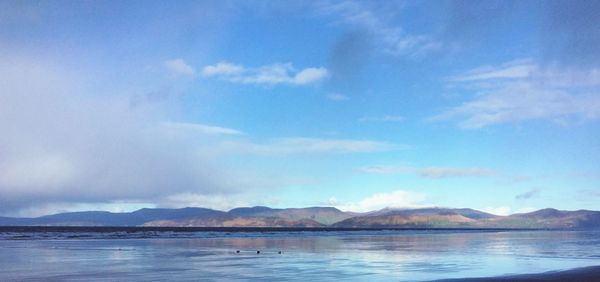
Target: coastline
590,273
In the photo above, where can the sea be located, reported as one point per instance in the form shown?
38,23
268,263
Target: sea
138,254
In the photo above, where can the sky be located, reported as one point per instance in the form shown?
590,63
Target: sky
359,105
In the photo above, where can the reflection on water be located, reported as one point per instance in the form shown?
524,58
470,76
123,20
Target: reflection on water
376,256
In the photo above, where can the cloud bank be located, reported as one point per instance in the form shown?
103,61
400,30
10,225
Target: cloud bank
60,143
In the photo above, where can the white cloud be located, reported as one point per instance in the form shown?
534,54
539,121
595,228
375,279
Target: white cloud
337,97
521,91
180,67
301,145
510,70
526,210
394,199
386,118
503,210
178,127
387,169
445,172
429,172
222,68
309,75
267,75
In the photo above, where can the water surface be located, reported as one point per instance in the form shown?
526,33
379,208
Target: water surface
325,256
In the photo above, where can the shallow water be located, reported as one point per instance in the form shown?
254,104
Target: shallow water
306,256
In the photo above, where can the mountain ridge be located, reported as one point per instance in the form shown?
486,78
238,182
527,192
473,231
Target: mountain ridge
262,216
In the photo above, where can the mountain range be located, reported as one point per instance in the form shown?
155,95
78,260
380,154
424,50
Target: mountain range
318,217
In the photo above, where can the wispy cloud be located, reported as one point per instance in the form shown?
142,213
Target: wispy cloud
429,172
510,70
521,91
302,145
446,172
386,118
387,169
177,127
222,68
529,194
179,67
394,199
337,97
390,38
266,75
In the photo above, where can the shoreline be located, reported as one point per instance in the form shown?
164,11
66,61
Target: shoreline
589,273
102,229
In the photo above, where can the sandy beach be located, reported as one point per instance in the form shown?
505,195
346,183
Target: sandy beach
583,274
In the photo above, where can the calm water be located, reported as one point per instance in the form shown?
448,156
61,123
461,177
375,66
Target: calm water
342,256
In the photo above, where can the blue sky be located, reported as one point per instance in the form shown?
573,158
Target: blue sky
114,105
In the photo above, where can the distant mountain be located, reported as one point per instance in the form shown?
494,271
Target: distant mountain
470,213
240,217
260,216
416,218
549,218
251,211
469,218
103,218
237,222
323,215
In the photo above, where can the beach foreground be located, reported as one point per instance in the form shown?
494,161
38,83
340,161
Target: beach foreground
583,274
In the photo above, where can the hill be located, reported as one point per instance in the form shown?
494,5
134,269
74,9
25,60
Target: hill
260,216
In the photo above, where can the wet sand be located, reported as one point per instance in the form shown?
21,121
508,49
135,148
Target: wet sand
584,274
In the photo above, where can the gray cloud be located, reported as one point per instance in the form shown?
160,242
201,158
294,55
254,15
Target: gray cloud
348,57
529,194
61,144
